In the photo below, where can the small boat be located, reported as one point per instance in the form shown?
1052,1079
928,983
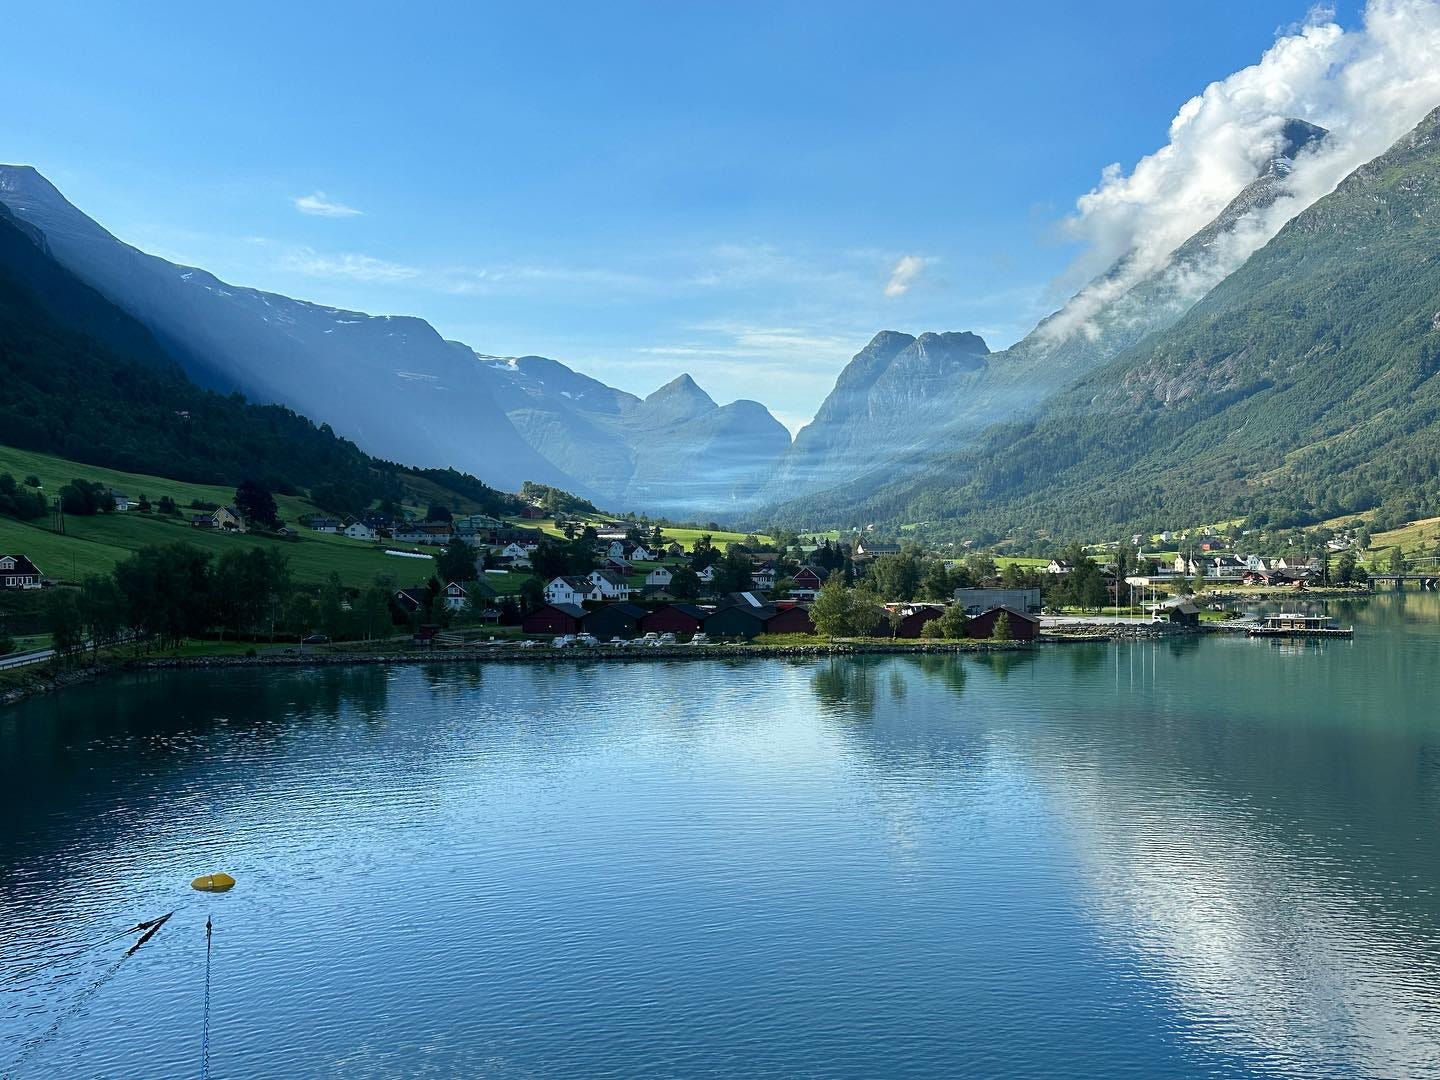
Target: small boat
1296,624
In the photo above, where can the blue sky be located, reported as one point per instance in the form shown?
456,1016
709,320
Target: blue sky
744,191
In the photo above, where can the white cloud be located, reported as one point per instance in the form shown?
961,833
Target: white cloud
904,275
1367,86
318,204
350,266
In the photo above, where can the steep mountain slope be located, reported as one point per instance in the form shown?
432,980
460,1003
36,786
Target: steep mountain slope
1302,387
676,450
86,381
950,404
887,401
399,389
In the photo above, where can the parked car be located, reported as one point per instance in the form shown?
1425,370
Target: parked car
701,638
315,639
588,640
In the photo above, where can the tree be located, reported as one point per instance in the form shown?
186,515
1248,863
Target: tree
101,609
896,577
684,584
81,498
733,571
1001,630
1397,560
61,618
256,505
372,608
1345,567
167,591
866,614
831,610
895,617
438,512
456,562
953,623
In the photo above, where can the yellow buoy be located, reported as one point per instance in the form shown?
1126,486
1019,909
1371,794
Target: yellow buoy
213,883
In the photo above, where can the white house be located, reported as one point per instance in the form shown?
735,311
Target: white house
763,577
18,572
325,525
616,549
1185,565
643,554
358,530
1255,564
1227,567
456,597
1058,567
122,501
660,576
605,585
567,590
706,576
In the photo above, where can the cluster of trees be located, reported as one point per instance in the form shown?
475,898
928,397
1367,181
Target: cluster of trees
25,502
553,501
169,593
85,498
912,575
842,610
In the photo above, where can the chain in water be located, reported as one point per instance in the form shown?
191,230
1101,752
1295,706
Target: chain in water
205,1029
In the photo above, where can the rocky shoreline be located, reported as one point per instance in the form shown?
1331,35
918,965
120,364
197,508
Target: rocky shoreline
532,656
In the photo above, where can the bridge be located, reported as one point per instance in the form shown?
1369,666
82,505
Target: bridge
1430,580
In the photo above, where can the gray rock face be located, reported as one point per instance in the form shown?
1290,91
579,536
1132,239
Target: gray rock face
887,401
402,392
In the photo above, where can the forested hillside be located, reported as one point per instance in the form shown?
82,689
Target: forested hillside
85,381
1303,387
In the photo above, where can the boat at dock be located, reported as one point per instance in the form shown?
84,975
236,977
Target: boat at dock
1297,624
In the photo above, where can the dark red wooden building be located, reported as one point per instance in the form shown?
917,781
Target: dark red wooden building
1023,627
673,619
790,619
554,619
913,625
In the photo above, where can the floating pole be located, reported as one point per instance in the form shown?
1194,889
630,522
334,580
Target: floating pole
213,883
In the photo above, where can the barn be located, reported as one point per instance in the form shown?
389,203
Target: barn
674,619
790,619
737,621
915,619
614,620
554,619
1023,627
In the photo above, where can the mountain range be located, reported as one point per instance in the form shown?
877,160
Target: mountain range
1300,388
403,392
1086,421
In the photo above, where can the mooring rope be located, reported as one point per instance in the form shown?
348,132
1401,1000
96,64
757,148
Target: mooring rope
27,972
31,1046
205,1026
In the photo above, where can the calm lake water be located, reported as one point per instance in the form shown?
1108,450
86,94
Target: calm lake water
1211,857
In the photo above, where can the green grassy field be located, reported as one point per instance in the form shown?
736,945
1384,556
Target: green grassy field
94,545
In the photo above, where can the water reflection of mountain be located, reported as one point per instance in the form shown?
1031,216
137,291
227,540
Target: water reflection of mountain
1254,829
